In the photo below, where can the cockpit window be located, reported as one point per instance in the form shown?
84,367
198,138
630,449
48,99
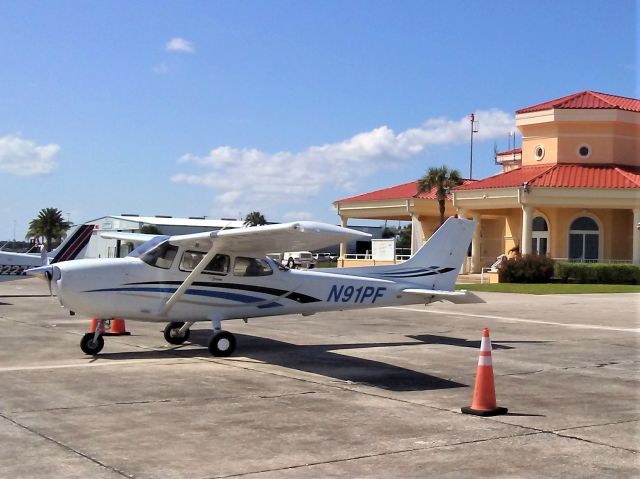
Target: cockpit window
161,256
144,247
218,265
251,267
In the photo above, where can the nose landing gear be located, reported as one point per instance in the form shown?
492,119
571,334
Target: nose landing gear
92,343
177,332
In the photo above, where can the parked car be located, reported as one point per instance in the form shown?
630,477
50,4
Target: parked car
324,257
298,259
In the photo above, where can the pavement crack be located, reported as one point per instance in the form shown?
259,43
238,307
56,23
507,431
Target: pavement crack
372,455
65,447
589,441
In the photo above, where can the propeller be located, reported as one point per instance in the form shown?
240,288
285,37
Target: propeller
48,276
45,272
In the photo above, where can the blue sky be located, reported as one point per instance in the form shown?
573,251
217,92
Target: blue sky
219,108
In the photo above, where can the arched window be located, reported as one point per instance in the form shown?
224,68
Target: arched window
584,240
539,236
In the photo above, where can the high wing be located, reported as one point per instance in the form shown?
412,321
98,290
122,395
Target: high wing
456,297
258,241
137,238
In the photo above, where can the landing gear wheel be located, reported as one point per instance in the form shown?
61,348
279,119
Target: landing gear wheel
91,346
222,344
172,333
291,263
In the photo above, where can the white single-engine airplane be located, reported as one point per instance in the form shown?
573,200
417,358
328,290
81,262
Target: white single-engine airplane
15,265
222,275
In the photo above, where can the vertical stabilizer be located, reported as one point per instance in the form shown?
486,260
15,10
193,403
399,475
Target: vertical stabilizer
436,265
74,244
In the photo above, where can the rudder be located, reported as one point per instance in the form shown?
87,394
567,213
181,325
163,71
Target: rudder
436,265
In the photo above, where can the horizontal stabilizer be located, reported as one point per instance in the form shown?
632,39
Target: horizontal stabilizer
457,297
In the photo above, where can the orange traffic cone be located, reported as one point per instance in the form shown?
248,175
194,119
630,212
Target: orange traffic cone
94,325
118,328
484,393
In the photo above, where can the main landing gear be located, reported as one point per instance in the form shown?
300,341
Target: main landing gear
221,344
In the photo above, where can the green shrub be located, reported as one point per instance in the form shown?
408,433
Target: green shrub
598,273
530,268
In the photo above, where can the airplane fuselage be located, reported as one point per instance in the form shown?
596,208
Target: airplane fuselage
16,264
131,289
219,275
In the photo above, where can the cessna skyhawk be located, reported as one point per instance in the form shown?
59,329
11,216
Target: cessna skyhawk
222,275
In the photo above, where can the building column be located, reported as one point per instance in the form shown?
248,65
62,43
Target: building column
527,225
476,246
417,234
343,246
636,236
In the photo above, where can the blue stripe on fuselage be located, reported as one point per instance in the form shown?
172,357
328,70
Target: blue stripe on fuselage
243,298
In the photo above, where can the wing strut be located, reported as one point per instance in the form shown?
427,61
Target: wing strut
189,280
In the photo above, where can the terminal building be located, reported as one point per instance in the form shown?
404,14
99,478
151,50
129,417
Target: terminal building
572,191
99,247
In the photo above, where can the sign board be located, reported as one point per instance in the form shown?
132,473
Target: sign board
383,249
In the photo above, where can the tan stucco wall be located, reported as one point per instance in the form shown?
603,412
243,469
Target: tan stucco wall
513,229
429,225
492,231
610,142
615,232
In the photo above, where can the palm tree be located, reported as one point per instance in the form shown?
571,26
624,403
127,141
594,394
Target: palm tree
255,218
50,225
443,179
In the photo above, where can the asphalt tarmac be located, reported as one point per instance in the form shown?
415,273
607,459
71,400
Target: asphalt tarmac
372,393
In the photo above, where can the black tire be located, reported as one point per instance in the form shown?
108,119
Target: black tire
89,346
171,333
222,344
291,263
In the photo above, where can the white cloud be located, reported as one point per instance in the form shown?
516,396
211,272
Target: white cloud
178,44
25,158
297,216
253,179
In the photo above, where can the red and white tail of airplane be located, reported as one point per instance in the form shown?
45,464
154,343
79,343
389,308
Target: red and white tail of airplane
14,265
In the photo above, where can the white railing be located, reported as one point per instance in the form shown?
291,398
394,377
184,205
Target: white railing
369,257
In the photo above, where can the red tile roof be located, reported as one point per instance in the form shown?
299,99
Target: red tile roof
508,179
403,191
588,176
563,176
587,100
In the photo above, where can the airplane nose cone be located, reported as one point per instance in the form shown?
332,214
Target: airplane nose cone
56,283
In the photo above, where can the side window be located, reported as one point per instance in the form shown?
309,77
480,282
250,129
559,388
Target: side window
191,259
161,256
219,264
251,267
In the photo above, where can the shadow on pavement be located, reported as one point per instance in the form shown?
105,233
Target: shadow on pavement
319,359
465,343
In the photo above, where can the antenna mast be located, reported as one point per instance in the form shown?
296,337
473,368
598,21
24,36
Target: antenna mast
474,129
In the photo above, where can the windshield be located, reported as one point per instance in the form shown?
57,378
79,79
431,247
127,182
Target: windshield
144,247
161,256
